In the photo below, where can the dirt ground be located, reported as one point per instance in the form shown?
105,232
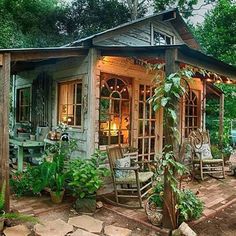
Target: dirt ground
223,224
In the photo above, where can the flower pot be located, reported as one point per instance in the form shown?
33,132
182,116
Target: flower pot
86,205
57,197
154,213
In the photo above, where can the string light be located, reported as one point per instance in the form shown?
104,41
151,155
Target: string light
209,80
228,81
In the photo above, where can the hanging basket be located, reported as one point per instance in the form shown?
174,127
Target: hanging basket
154,213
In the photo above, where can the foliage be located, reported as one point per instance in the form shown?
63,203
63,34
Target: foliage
87,17
49,173
186,7
27,182
157,197
217,35
85,175
167,94
24,23
189,205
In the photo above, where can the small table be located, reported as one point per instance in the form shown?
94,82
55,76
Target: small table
21,145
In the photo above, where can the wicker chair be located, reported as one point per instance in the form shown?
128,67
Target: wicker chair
202,159
135,185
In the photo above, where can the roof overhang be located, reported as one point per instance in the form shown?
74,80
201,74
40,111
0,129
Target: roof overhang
185,55
34,54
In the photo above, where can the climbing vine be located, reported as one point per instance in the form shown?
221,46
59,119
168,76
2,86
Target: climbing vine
167,95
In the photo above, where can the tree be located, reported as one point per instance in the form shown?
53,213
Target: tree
137,8
186,7
217,35
86,17
29,23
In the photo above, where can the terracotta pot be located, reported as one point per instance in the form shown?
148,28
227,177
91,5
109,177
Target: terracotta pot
57,197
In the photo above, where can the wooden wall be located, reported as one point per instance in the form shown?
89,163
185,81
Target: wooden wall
65,70
139,34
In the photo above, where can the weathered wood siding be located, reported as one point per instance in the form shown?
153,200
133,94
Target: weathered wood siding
139,34
65,70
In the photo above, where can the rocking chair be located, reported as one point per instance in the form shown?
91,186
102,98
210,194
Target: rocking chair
128,181
202,159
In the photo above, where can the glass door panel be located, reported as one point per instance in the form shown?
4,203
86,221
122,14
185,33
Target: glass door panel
147,125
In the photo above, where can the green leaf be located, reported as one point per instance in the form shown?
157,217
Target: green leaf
167,87
173,114
164,101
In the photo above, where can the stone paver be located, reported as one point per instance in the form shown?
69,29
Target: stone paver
19,230
86,222
116,231
53,228
80,232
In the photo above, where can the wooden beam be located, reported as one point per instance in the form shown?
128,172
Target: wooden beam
46,54
129,52
4,127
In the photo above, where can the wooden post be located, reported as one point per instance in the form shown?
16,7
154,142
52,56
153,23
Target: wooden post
91,100
204,105
4,128
169,210
221,120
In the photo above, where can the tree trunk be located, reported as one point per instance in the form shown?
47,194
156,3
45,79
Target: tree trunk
169,208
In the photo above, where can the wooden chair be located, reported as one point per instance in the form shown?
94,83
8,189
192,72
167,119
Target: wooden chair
135,185
202,158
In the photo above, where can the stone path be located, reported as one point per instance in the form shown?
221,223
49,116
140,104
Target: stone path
82,225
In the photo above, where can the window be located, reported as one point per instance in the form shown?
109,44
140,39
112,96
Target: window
114,111
70,103
192,112
161,39
23,105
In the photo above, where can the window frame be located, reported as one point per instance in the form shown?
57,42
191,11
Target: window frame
17,104
104,78
157,30
187,128
66,82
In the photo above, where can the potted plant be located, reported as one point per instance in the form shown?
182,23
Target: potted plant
11,215
57,190
154,205
84,179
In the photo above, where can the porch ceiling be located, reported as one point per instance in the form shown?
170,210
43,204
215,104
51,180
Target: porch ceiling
185,55
29,58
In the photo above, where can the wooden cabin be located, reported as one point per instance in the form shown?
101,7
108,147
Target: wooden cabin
99,87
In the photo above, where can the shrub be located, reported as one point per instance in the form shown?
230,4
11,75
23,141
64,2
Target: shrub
189,205
85,175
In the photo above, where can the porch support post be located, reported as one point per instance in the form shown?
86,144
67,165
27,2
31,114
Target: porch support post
4,126
221,120
169,211
204,105
91,100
